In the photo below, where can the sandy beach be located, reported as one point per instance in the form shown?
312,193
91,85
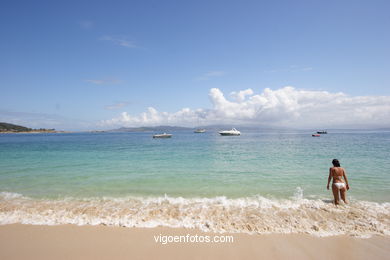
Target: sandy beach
102,242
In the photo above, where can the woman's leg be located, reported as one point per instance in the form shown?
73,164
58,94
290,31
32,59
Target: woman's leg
343,194
335,191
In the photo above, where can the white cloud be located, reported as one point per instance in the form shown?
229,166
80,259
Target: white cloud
286,106
120,40
240,95
212,74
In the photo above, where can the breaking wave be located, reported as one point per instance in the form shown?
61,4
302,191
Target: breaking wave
242,215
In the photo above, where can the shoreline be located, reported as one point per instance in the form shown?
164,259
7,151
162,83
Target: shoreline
35,132
245,215
18,241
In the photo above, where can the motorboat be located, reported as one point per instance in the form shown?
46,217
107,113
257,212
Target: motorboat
164,135
316,135
200,131
322,132
230,132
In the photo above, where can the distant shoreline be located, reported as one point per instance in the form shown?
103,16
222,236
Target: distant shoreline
33,132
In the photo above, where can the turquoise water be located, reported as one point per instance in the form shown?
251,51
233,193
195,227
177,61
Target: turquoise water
269,164
259,182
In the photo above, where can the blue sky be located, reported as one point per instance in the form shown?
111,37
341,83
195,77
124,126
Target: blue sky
79,64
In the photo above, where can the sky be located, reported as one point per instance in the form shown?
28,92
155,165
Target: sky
84,65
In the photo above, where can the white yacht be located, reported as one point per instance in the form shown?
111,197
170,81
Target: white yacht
164,135
230,132
200,131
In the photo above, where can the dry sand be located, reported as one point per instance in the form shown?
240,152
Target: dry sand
101,242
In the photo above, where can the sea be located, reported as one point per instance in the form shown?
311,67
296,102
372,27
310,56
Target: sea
262,182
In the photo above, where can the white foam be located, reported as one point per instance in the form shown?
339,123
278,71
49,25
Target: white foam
9,195
220,214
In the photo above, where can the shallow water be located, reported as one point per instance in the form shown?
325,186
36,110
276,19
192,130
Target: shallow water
196,180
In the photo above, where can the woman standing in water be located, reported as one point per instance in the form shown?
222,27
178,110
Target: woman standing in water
338,185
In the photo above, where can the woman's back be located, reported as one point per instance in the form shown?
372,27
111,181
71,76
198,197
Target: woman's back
337,174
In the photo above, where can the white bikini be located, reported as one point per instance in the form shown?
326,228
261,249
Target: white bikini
339,185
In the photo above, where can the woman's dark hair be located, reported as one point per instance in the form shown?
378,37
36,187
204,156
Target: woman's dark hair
336,163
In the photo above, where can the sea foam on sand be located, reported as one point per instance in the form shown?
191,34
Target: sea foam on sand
220,214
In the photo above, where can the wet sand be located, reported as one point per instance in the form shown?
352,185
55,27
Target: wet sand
102,242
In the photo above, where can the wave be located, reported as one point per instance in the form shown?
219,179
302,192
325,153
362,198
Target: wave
243,215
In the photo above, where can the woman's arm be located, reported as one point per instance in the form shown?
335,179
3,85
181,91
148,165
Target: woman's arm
329,178
345,178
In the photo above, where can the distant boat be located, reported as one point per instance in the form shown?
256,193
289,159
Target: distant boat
200,131
230,132
316,135
164,135
322,132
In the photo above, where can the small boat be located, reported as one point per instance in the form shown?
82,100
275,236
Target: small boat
322,132
316,135
200,131
230,132
164,135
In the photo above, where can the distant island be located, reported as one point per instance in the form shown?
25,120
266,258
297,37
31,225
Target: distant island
167,129
150,129
11,128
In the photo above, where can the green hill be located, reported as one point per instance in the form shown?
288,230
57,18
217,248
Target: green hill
5,127
11,128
